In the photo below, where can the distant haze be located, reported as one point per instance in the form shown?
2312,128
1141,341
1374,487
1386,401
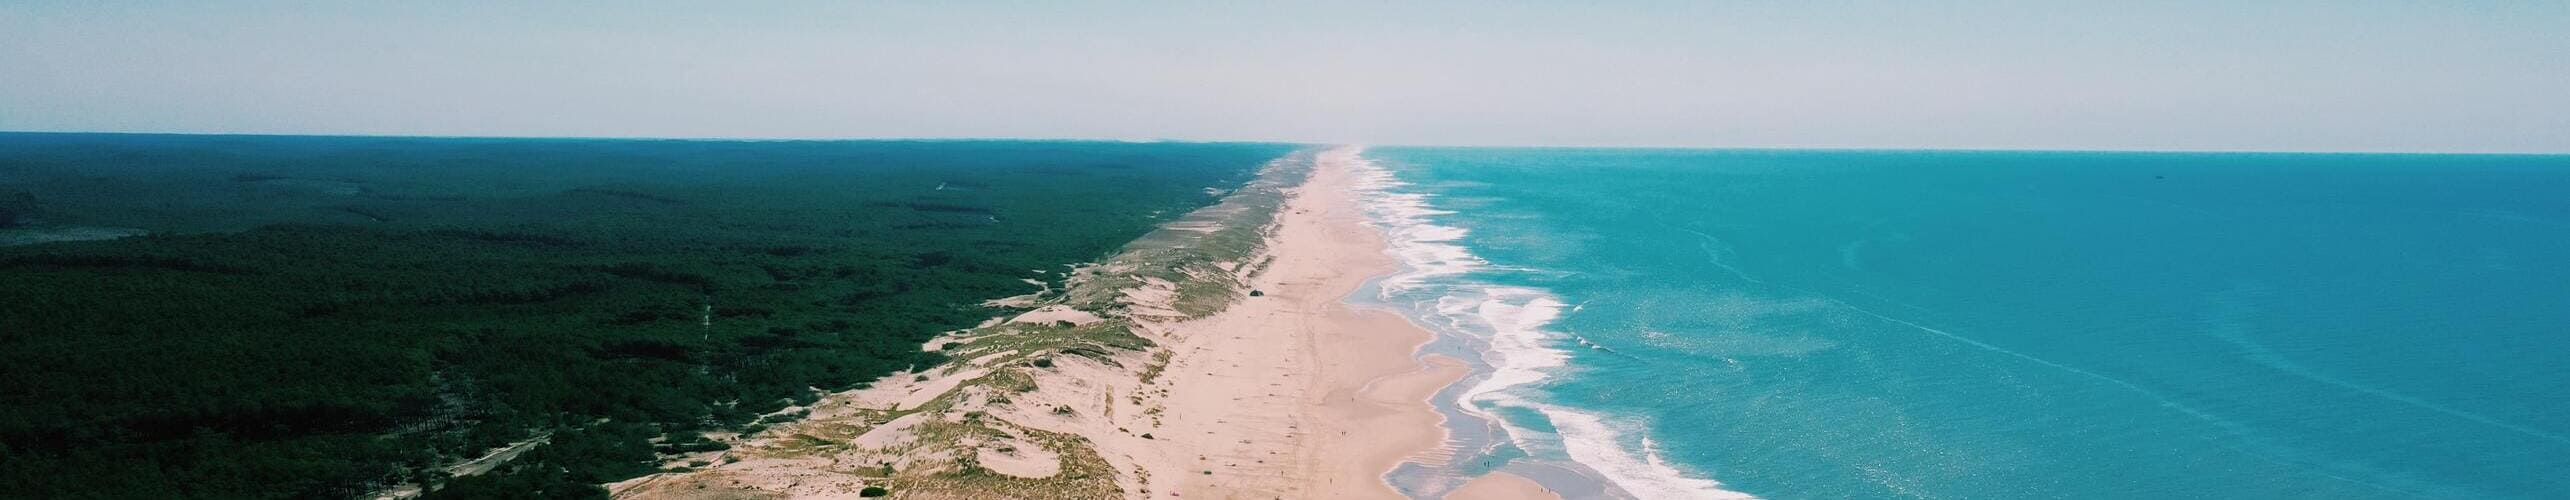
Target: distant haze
2218,75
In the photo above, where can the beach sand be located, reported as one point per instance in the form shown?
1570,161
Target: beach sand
1501,485
1297,394
1290,393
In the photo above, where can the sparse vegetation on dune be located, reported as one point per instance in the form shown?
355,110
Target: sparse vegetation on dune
1190,268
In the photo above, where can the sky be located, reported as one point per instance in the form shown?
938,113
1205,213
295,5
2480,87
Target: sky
2246,75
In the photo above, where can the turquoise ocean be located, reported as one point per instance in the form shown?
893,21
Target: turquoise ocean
1952,324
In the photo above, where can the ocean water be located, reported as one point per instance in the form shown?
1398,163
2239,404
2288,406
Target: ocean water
1906,324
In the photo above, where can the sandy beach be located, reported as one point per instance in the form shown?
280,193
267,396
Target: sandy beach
1264,383
1297,394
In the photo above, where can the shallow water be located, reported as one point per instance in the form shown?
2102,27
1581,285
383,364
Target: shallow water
1883,324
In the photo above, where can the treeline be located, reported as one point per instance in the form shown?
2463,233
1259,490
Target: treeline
267,342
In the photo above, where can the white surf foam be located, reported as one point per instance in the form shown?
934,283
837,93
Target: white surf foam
1513,321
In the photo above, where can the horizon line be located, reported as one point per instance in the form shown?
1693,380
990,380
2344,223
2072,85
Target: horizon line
674,138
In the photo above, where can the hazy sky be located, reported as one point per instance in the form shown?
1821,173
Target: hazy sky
2219,75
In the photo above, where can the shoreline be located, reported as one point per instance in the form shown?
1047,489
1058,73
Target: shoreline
1505,331
1443,475
1359,406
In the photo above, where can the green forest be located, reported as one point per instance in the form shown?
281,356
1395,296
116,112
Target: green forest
320,317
